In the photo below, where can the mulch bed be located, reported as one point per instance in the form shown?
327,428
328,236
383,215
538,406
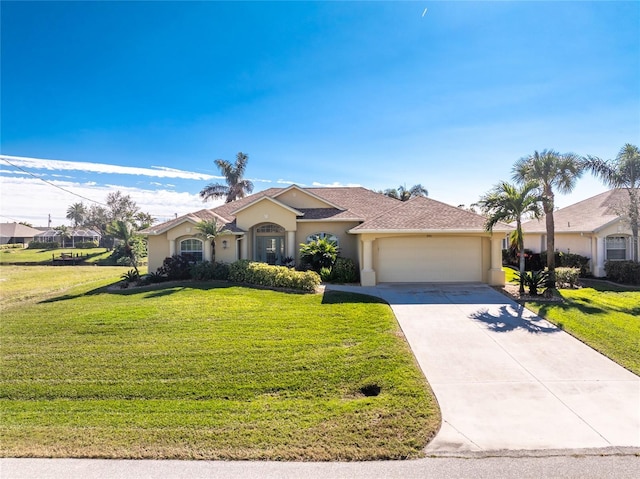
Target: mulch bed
511,290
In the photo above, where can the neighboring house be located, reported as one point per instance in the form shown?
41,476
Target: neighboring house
593,228
421,240
15,233
77,235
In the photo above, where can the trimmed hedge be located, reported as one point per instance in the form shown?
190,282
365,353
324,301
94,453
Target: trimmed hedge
86,245
262,274
627,272
208,271
567,277
12,246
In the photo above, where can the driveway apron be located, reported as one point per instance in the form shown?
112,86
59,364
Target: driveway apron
507,379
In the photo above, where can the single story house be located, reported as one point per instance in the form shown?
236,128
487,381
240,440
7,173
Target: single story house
421,240
594,228
16,233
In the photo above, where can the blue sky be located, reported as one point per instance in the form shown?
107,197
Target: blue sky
144,96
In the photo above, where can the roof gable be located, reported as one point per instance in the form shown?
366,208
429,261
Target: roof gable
268,199
297,197
586,216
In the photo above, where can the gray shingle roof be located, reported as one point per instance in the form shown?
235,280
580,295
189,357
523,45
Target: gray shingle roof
376,211
426,214
586,216
17,230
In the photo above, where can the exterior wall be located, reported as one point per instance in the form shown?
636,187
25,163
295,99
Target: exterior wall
266,212
157,250
348,243
299,199
228,254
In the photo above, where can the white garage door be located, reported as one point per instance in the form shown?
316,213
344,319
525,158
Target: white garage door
429,259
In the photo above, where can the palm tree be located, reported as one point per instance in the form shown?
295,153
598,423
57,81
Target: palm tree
77,213
131,241
236,187
622,172
507,203
64,234
403,194
210,230
552,172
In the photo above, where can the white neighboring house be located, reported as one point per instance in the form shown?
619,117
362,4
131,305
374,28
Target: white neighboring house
595,228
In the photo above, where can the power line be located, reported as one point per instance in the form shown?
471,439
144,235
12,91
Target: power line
52,184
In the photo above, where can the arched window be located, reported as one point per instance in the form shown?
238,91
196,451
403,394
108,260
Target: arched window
616,248
322,235
192,249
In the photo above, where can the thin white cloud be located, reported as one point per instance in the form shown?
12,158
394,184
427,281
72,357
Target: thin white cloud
60,165
29,199
287,182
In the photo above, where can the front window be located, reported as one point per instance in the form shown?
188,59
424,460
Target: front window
328,236
192,249
616,248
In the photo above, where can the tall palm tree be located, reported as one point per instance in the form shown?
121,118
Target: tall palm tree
403,194
210,230
552,172
126,232
507,203
237,187
77,213
622,172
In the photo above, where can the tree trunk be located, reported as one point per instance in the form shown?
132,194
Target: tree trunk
521,251
547,204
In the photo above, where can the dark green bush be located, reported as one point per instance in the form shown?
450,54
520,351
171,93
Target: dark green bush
627,272
176,267
569,260
345,271
207,271
86,245
245,271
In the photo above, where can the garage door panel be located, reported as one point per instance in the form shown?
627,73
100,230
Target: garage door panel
424,259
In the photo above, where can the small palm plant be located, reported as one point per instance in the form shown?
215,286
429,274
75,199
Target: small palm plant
318,254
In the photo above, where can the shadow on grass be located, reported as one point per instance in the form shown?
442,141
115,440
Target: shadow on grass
341,297
168,288
509,318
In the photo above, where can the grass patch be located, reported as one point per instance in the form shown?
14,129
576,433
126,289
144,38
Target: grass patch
604,316
208,371
43,256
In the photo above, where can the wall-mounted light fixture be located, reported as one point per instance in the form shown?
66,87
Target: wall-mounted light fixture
224,244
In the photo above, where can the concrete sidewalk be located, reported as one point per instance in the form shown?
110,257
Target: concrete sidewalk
506,379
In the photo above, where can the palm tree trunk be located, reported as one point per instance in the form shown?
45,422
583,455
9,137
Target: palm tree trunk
521,251
551,238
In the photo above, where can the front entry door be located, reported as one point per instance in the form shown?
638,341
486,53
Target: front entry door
270,249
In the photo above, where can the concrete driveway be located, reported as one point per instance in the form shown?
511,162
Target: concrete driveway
507,379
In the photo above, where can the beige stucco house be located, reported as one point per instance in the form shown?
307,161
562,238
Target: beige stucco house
593,228
421,240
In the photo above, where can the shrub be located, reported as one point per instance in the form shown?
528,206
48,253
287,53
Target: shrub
11,246
325,274
130,276
534,280
567,277
627,272
245,271
86,244
207,271
569,260
44,245
345,271
176,267
318,254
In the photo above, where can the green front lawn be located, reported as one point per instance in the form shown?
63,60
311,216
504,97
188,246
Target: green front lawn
207,371
44,256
